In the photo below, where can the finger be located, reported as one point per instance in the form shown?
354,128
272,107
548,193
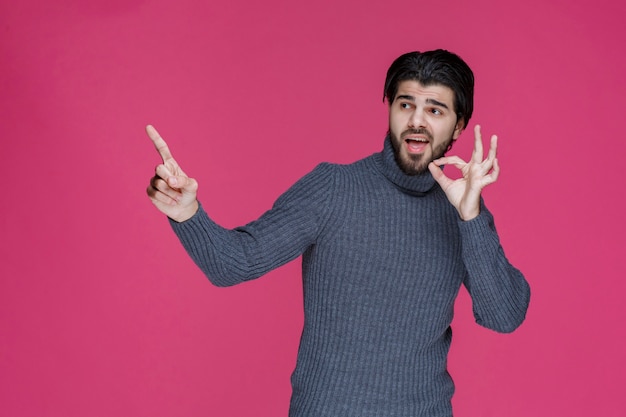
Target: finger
185,184
160,185
159,143
158,197
492,176
488,164
163,172
450,160
477,155
180,182
495,172
493,148
439,176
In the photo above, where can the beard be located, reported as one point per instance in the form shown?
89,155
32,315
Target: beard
412,164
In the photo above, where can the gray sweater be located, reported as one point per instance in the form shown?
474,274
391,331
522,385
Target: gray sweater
384,256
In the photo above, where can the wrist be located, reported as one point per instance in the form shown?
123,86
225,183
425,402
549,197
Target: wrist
469,214
186,213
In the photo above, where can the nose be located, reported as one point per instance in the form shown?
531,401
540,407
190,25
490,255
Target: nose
416,120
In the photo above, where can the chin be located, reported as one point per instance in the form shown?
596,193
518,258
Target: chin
413,166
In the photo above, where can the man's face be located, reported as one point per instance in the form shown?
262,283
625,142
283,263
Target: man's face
422,124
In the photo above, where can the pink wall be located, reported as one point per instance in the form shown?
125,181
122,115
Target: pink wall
103,314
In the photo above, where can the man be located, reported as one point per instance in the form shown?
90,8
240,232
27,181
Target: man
386,242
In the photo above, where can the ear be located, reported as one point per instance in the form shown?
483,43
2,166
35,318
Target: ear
460,125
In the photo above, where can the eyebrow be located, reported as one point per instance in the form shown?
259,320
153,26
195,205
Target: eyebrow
428,100
436,103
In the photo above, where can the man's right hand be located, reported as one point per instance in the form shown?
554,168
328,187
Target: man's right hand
171,190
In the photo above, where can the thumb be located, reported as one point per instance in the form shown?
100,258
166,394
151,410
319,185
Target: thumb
183,183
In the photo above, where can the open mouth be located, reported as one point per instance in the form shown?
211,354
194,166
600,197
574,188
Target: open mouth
416,145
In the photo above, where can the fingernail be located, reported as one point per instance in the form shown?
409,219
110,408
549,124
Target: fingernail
173,181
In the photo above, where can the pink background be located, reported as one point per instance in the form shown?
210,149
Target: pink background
103,314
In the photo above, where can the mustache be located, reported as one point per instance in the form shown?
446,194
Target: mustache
420,131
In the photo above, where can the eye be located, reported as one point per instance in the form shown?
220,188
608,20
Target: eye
436,112
405,105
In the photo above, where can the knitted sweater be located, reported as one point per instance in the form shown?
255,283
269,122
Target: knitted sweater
384,256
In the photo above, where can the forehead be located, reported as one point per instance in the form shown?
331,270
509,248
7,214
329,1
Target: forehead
419,91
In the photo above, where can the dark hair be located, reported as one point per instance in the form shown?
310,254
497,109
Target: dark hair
434,67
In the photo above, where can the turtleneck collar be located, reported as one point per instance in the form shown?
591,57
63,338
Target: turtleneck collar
411,184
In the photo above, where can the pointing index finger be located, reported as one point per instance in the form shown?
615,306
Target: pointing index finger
159,143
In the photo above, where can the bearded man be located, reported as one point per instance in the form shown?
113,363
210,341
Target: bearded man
386,243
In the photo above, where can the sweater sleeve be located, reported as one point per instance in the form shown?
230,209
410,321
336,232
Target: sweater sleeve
230,256
500,294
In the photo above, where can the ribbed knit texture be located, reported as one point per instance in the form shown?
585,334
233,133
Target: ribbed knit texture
384,255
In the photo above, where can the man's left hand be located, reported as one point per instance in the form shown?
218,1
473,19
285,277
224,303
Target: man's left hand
464,193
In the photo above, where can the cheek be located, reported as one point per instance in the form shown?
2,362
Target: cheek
446,132
396,122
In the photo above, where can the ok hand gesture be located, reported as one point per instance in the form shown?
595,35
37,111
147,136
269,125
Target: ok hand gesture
171,190
464,193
